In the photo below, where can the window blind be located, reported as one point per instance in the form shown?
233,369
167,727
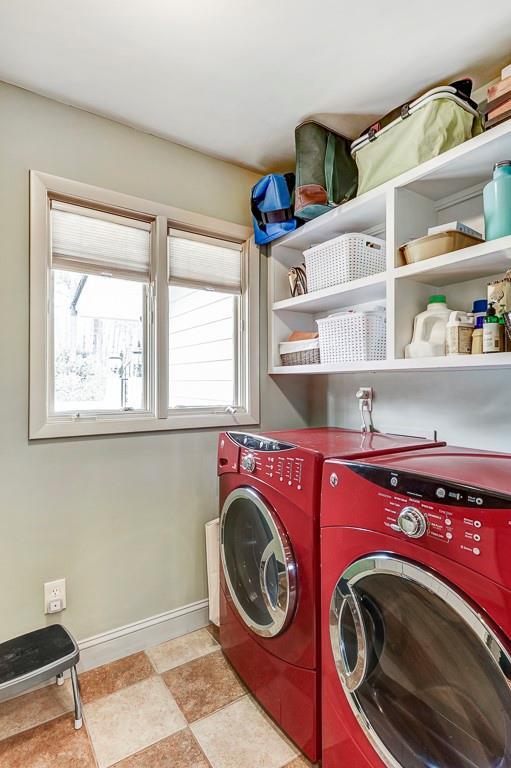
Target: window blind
197,261
92,241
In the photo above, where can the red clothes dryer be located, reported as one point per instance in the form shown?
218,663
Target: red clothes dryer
269,531
416,611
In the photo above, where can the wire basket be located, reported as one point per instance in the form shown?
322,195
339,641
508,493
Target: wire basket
300,352
350,337
342,259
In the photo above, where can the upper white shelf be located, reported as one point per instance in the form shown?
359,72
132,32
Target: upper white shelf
464,166
358,215
479,260
365,289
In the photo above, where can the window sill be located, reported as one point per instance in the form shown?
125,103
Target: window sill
131,424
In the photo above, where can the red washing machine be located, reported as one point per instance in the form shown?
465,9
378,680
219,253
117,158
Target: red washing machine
416,611
269,531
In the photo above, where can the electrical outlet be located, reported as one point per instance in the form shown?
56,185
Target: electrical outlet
55,596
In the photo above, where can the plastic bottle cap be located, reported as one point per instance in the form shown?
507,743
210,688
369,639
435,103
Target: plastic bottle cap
480,305
437,298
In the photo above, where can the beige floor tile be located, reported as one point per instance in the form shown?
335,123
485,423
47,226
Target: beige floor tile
53,745
177,751
203,685
131,719
112,677
182,649
299,762
239,736
34,708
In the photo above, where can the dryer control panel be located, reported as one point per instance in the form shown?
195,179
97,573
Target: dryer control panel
467,524
284,466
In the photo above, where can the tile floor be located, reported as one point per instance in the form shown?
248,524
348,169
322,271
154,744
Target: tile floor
179,705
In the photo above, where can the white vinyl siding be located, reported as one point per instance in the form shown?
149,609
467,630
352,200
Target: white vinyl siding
203,348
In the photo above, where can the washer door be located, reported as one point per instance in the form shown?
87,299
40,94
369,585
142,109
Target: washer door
428,680
258,563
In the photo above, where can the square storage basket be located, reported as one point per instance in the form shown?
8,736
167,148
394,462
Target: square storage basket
350,337
300,352
342,259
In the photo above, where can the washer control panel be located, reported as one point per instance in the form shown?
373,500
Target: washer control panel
287,468
465,523
278,469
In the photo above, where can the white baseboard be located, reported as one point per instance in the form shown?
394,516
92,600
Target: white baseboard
117,643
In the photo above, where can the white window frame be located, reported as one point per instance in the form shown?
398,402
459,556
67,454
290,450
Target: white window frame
159,417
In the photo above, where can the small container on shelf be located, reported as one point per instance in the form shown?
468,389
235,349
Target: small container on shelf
305,352
352,336
343,259
437,244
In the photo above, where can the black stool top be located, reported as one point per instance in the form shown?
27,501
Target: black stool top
36,650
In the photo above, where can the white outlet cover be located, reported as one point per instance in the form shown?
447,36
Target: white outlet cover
54,590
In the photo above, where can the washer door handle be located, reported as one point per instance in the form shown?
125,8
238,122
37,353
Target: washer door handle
277,607
353,676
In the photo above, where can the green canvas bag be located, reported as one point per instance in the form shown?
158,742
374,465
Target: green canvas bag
440,119
326,174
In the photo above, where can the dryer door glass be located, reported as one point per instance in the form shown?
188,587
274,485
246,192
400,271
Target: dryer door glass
258,563
429,681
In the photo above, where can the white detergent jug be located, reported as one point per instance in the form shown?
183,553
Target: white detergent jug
429,330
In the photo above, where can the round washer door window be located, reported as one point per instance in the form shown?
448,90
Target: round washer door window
258,563
427,678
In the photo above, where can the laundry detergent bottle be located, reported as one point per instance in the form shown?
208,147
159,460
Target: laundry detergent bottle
430,329
497,202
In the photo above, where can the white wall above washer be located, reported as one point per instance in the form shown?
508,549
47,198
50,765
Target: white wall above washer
232,78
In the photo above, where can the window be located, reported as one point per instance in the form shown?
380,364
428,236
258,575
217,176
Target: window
205,319
99,318
143,317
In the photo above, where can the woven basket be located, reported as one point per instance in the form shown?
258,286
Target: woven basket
300,352
350,337
342,259
309,357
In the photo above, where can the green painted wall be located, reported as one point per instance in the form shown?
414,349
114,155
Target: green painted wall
120,517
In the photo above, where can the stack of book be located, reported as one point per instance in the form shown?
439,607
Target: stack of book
498,108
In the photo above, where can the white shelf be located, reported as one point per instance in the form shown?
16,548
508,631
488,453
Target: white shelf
444,189
451,362
366,289
357,215
471,263
463,167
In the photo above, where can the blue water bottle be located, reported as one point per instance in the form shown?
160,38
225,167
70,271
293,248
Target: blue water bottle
497,202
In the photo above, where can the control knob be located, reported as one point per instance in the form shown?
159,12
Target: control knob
412,522
248,462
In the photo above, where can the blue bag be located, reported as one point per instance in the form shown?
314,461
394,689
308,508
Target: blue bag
272,209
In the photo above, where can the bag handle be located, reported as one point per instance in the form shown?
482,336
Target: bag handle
330,166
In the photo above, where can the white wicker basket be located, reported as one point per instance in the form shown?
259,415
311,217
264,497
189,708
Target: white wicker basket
342,259
349,337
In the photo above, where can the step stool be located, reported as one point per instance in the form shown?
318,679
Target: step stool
36,657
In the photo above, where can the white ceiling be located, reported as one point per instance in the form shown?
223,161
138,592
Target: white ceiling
233,77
